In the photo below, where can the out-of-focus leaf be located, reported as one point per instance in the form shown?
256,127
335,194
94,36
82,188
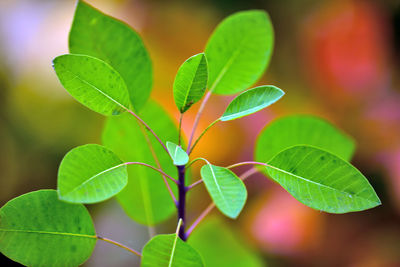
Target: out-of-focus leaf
90,174
170,250
38,229
251,101
178,155
92,82
322,180
220,246
225,188
145,199
96,34
302,130
238,51
190,82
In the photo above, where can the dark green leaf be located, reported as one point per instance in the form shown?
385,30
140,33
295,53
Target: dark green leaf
90,174
190,82
221,246
251,101
178,155
322,180
92,82
169,250
302,130
238,51
37,229
96,34
145,199
225,188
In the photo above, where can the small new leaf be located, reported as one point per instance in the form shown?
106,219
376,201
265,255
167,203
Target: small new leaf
251,101
170,250
89,174
38,229
225,188
178,155
190,82
92,82
322,180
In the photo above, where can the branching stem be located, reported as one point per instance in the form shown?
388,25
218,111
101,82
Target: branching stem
201,135
131,250
154,168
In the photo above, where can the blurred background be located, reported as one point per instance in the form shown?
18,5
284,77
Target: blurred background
339,59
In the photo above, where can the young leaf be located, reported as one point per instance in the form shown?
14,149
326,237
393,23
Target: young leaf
96,34
169,250
179,156
37,229
92,82
145,199
251,101
322,180
225,188
302,130
190,82
219,245
238,51
89,174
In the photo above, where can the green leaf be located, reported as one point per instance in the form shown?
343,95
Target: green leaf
322,180
190,82
96,34
302,130
169,250
89,174
37,229
238,51
219,245
145,199
92,82
251,101
225,188
178,155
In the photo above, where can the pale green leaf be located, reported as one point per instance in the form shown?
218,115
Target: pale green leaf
145,199
222,246
178,155
238,51
190,82
251,101
92,82
225,188
169,251
302,130
322,180
89,174
38,229
96,34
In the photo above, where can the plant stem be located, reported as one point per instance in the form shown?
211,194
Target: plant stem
181,201
154,168
246,163
200,218
248,173
148,128
195,183
180,129
120,245
201,135
196,120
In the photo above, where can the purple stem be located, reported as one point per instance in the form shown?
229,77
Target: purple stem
182,189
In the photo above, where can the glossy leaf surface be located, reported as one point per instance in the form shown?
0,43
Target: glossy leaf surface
38,229
170,250
225,188
89,174
190,82
251,101
238,51
322,180
302,130
93,83
96,34
145,199
179,156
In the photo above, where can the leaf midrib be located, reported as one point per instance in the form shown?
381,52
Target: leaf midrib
49,233
191,84
173,251
218,187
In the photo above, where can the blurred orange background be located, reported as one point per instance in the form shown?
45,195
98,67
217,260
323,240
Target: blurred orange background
336,59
